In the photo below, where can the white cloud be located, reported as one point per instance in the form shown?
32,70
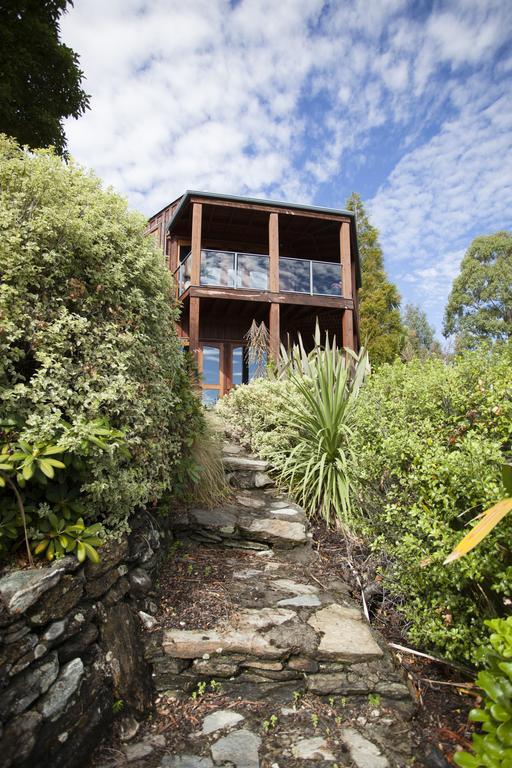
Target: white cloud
264,98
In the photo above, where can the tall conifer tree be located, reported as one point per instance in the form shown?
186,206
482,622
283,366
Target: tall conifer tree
381,327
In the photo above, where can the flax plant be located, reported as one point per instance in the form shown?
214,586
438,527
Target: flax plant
319,468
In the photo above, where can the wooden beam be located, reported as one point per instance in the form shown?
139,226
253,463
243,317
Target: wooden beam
347,327
273,251
274,331
193,325
271,209
240,294
197,215
345,257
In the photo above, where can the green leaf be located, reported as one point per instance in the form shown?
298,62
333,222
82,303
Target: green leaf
28,470
81,552
506,474
46,468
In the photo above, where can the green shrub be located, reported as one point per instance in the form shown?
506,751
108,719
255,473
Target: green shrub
87,331
256,415
493,747
430,440
301,422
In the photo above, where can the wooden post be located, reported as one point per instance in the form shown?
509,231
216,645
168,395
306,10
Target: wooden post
193,324
347,320
273,252
274,331
197,215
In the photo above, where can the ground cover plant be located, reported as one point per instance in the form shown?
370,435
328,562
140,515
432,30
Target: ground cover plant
86,334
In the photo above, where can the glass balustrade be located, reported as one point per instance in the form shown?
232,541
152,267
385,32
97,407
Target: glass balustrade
231,269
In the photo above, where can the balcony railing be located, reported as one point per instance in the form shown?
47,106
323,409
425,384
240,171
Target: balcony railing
231,269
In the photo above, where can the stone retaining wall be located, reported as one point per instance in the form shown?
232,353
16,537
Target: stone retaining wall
70,648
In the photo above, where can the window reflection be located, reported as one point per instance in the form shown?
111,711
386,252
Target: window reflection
218,268
237,370
252,271
326,279
294,275
210,396
211,365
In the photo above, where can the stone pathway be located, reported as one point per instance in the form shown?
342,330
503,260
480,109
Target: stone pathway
291,674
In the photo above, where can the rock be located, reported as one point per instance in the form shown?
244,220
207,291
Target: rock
117,592
140,582
138,751
28,686
287,585
272,666
78,644
286,512
363,752
223,718
248,501
15,632
344,634
129,728
186,761
393,690
242,634
433,758
293,637
36,652
19,738
58,601
301,601
215,667
130,672
280,533
302,664
97,587
239,747
16,656
340,682
262,480
148,621
66,685
315,748
20,589
54,631
112,554
245,464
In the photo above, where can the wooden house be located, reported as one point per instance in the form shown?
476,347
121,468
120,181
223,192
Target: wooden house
237,259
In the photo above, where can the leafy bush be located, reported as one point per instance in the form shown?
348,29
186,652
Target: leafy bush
256,415
87,332
48,516
302,422
430,440
493,747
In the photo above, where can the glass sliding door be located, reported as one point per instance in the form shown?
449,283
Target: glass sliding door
210,363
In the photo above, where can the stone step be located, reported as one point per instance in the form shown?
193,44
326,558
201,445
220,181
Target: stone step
245,471
252,520
284,634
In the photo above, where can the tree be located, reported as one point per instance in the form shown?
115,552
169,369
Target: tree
480,303
41,78
419,334
379,301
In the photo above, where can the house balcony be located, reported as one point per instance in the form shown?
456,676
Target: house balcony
250,272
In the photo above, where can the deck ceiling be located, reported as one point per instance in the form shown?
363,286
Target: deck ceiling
299,236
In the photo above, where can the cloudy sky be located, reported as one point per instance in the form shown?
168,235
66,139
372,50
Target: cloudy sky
408,102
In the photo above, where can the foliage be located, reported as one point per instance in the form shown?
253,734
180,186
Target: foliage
493,747
301,422
430,440
256,415
55,514
379,301
41,81
208,482
488,520
480,303
317,465
87,325
419,334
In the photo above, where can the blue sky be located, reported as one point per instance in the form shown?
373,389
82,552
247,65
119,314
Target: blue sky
408,102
